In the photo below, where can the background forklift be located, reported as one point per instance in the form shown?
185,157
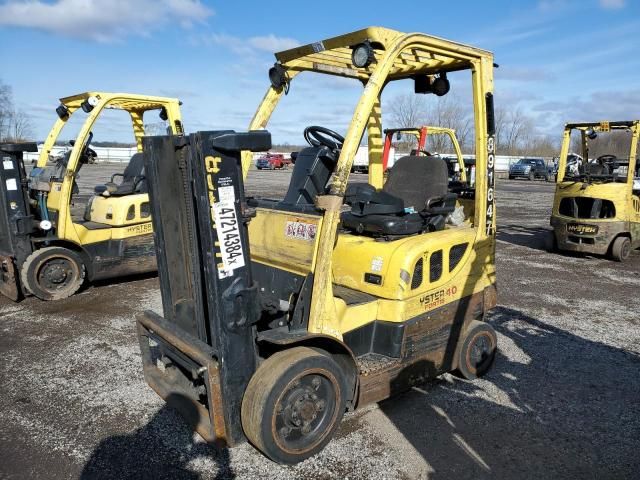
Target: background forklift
455,165
46,248
279,315
596,208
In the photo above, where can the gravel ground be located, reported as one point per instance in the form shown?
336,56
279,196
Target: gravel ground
561,401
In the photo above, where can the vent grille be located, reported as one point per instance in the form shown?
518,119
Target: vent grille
435,266
416,278
455,255
131,213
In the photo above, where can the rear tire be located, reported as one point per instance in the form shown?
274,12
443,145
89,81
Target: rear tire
621,249
550,242
293,404
478,350
52,273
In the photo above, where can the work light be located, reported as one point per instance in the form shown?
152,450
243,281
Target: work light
62,111
278,76
89,103
163,114
441,85
362,55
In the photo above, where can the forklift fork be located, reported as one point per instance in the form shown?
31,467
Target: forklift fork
198,359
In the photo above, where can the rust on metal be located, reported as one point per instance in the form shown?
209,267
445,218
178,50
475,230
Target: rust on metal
8,278
209,423
430,348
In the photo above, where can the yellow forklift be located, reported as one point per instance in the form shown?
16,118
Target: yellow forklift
282,314
596,208
46,249
456,164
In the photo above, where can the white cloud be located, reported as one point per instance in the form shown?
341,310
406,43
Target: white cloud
612,4
267,43
100,20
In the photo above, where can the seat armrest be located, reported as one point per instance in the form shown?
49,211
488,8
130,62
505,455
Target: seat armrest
441,205
116,175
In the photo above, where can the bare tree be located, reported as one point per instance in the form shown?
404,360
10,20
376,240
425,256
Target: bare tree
20,127
6,109
450,112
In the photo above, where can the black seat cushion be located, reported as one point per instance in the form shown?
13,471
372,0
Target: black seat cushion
392,225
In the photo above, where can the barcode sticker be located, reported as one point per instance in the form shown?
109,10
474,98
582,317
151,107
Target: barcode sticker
228,229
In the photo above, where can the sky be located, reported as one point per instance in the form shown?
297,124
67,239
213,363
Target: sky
563,60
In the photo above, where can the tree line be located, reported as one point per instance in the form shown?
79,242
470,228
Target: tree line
515,130
15,124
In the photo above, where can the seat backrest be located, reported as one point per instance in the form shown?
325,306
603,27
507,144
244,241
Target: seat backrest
134,169
311,173
417,180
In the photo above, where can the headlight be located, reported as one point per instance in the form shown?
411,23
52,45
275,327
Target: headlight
362,55
89,103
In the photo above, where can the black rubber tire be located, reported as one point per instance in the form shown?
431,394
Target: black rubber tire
483,336
551,242
34,267
621,249
511,177
267,412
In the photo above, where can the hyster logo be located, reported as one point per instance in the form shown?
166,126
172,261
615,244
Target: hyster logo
211,165
491,162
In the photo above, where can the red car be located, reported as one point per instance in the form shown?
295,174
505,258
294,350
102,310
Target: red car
272,161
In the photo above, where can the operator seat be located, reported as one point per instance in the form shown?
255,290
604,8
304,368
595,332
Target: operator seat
133,180
414,199
311,173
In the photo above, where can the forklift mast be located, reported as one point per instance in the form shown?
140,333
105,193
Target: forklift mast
16,221
203,349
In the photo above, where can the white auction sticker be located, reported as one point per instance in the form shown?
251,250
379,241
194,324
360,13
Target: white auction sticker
7,164
228,229
301,230
12,184
376,264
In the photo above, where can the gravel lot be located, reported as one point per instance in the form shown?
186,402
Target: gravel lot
561,401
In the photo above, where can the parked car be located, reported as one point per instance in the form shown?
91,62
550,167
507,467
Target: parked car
271,161
530,168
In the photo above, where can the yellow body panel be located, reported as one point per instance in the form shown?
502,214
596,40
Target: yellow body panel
284,240
120,211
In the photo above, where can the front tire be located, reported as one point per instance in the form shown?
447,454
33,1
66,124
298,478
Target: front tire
52,273
621,249
293,404
478,350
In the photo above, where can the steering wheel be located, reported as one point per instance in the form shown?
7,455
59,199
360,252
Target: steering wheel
321,136
606,159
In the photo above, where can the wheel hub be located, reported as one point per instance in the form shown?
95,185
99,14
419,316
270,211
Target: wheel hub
56,273
302,411
480,350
